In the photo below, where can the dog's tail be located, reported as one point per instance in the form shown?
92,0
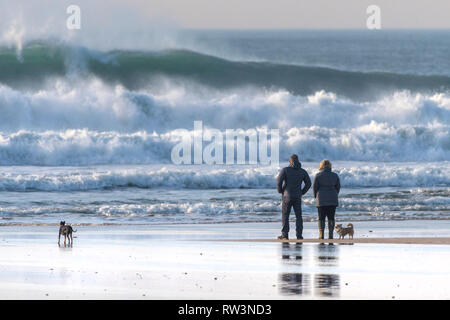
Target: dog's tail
350,225
74,230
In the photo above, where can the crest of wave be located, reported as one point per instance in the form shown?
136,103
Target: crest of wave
165,105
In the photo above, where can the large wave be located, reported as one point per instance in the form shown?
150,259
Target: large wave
132,69
90,122
65,105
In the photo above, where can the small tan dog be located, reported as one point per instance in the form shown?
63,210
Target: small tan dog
342,232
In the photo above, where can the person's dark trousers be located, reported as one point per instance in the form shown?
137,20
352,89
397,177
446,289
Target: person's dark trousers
286,206
329,213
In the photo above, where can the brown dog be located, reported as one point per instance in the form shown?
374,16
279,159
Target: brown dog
66,231
342,232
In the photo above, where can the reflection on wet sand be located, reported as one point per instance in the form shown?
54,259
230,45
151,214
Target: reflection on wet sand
326,285
327,254
298,283
294,284
292,252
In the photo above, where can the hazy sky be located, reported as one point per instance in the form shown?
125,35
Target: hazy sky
234,14
322,14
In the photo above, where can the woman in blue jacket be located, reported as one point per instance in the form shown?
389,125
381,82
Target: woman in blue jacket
326,188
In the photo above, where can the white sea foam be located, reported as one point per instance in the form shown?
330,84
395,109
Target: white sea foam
352,175
94,123
188,207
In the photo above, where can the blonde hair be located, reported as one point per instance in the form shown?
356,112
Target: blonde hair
325,164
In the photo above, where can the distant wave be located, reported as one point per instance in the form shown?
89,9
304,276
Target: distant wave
42,60
211,177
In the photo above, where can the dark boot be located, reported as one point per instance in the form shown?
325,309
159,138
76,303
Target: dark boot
330,229
321,229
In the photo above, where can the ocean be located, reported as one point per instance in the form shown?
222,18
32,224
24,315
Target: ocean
86,133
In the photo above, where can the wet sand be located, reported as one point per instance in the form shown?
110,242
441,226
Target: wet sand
429,240
181,262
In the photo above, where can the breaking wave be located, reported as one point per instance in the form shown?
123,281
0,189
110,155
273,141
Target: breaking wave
91,122
66,106
40,61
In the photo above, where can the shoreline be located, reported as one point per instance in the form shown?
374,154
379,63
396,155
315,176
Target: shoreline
400,240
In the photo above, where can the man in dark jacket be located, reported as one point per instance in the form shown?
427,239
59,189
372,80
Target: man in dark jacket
289,184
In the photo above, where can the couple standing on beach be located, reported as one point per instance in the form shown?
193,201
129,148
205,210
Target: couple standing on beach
326,188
